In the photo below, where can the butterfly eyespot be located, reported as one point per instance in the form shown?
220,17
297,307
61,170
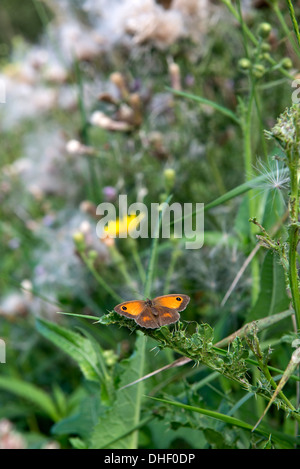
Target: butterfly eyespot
178,298
124,308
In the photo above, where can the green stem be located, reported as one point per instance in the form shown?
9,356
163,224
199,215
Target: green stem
294,233
100,280
141,350
293,271
175,254
177,348
247,133
153,252
85,135
251,200
138,262
294,20
268,375
121,264
285,26
254,40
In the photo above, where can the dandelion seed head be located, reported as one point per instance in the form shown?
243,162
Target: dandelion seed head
276,176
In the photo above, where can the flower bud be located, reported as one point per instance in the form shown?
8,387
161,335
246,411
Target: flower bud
264,30
265,47
286,63
258,70
78,239
244,64
169,175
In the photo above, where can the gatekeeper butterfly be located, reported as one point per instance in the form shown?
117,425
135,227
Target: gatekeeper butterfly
152,314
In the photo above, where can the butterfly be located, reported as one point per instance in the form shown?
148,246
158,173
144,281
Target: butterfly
152,314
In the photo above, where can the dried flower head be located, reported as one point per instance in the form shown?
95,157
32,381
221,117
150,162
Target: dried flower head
286,131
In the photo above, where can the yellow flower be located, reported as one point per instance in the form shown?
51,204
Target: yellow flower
123,226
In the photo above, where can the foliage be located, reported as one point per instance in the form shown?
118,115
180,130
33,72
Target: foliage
183,112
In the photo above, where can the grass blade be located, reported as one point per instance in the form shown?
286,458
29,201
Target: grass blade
293,364
228,420
223,110
30,393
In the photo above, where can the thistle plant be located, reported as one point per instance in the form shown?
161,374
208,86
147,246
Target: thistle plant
286,134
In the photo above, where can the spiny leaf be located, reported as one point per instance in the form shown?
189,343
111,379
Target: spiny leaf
272,297
281,437
123,417
294,362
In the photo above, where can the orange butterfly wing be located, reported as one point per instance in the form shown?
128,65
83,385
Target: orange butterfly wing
177,301
163,310
130,309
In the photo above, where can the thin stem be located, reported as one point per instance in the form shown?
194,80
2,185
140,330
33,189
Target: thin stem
85,135
175,254
138,262
293,271
254,40
153,252
294,20
268,375
251,200
121,264
90,265
247,132
294,233
285,26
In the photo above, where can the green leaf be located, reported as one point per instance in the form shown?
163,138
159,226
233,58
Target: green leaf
293,364
241,223
77,443
223,110
273,210
75,345
216,439
272,297
210,413
285,440
31,393
232,194
123,417
83,420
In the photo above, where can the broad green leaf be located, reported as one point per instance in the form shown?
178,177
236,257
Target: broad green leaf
31,393
116,427
272,297
216,439
83,420
274,209
75,345
241,222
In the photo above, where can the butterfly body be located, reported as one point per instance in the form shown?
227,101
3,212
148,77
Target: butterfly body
151,314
